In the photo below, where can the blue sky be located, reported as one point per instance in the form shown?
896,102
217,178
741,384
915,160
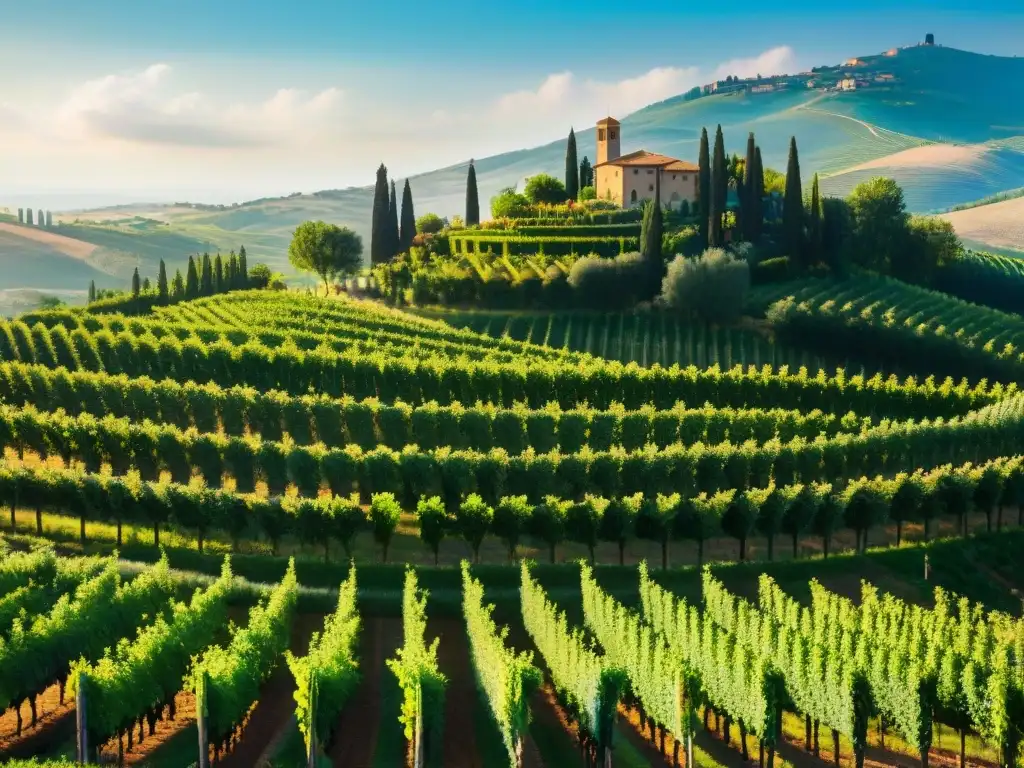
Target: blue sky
228,100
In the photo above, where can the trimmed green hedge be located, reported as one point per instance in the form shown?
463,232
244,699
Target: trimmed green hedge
578,230
608,247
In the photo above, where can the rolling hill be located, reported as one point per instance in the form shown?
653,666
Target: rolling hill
947,124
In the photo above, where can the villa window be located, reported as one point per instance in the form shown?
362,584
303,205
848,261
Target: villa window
600,134
611,134
649,171
632,196
636,171
650,188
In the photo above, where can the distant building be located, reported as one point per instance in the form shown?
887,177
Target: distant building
929,39
629,180
852,63
891,52
764,88
846,84
885,77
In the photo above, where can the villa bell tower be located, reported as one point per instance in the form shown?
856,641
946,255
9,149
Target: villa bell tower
609,135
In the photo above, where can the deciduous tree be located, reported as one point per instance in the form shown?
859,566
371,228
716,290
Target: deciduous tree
325,249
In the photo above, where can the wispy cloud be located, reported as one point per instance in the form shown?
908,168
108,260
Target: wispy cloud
144,107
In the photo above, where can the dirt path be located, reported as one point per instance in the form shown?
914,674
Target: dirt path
461,698
355,739
54,723
272,714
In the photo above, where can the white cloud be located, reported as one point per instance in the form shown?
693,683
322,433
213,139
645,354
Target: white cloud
776,61
144,108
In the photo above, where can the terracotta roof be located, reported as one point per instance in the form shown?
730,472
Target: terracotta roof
608,121
643,158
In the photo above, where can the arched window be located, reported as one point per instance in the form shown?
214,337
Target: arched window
632,196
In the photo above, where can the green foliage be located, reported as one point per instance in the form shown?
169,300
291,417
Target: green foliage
325,249
510,204
880,224
473,198
572,169
507,679
793,233
385,513
415,667
227,679
544,188
713,287
330,667
588,685
473,520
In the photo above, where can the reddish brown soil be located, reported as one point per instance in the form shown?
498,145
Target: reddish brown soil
54,723
166,729
355,739
639,736
461,698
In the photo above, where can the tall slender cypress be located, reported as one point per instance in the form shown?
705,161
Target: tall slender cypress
243,269
704,186
178,286
394,237
162,288
719,192
136,284
379,229
814,224
191,280
472,198
92,291
750,203
759,194
572,168
793,211
586,173
206,276
408,228
218,275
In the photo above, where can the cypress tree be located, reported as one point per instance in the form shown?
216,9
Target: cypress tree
472,198
379,223
49,219
651,230
814,224
92,291
218,275
21,215
191,280
704,186
178,286
759,194
408,228
28,216
750,204
231,272
161,283
572,168
394,237
719,192
586,173
146,284
243,269
136,284
206,276
793,211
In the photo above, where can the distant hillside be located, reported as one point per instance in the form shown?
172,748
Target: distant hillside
947,124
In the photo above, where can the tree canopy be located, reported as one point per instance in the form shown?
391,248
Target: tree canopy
544,188
325,249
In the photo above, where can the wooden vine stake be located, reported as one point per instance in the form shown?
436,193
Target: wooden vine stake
313,746
202,712
418,756
82,738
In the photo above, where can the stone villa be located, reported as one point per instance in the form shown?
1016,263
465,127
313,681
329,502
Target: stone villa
628,180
